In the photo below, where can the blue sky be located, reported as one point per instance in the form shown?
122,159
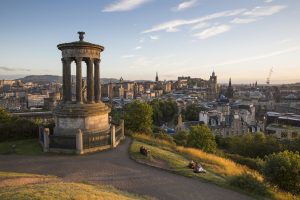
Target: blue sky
241,39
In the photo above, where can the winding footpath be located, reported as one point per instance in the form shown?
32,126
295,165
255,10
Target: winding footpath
114,167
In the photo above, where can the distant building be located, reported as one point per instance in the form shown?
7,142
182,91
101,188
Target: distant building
212,87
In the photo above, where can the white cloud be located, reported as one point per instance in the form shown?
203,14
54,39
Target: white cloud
268,1
286,40
243,20
276,53
213,31
200,26
124,5
172,26
138,48
265,11
185,5
154,37
128,56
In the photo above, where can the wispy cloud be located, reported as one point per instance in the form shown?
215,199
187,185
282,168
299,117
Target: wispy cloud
276,53
124,5
213,31
200,26
286,40
138,48
7,69
154,37
172,26
268,1
185,5
265,11
243,20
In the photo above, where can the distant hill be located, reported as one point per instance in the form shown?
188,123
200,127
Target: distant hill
42,79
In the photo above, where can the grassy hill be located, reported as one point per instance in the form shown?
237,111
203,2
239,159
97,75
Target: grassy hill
221,171
19,186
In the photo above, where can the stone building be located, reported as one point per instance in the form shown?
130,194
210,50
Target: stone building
213,89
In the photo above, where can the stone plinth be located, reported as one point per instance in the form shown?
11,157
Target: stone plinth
86,117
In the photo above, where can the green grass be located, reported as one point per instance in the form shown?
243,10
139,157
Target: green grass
220,171
59,190
21,147
176,162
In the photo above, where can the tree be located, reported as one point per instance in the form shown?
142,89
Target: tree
4,116
283,169
138,117
181,138
201,137
191,112
163,111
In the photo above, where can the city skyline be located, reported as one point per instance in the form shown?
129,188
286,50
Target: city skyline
241,40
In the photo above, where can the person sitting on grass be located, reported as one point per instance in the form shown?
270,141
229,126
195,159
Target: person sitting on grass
199,169
192,164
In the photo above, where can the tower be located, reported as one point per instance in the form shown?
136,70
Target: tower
229,92
212,87
156,77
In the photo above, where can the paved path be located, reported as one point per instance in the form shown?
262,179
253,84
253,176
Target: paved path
114,167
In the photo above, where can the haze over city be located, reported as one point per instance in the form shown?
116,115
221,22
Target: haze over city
238,39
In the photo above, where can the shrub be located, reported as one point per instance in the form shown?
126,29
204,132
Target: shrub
283,169
181,138
138,117
249,183
201,137
164,136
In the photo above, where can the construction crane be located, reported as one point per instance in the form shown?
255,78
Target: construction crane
269,77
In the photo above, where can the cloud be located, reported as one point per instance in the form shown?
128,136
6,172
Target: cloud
154,37
200,26
138,48
128,56
276,53
286,40
265,11
213,31
7,69
124,5
185,5
268,1
243,20
172,26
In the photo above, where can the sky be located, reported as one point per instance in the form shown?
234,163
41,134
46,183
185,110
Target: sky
241,39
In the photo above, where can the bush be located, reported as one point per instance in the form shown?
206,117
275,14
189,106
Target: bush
181,138
249,183
164,136
18,129
253,163
138,117
201,137
283,169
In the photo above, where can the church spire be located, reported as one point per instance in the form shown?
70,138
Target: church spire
156,77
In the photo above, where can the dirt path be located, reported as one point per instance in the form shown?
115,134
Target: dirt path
114,167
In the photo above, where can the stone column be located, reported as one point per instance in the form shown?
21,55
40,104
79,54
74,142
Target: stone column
79,142
90,81
46,140
68,80
64,80
113,136
97,81
78,80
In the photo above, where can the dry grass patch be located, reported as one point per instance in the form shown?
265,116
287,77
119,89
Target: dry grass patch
218,165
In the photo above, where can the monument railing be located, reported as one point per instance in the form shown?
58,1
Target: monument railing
96,139
62,142
118,133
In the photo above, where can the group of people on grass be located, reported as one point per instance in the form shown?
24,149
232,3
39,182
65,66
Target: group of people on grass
197,168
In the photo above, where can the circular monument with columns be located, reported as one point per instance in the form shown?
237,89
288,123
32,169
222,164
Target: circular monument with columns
86,115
